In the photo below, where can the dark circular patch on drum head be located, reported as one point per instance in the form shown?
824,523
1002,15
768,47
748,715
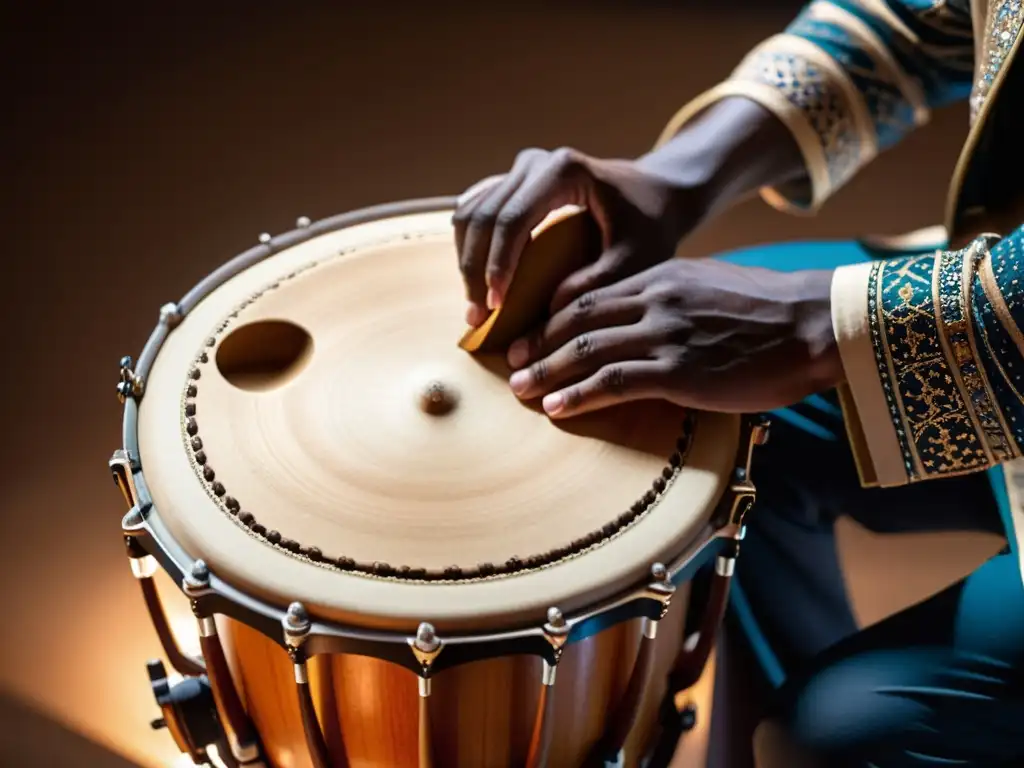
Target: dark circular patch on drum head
263,355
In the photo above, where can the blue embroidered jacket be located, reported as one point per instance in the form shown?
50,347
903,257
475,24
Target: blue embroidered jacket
931,342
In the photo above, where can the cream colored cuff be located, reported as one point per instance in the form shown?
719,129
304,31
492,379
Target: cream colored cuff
869,421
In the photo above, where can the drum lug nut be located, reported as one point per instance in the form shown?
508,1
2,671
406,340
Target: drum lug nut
129,383
296,625
426,647
170,314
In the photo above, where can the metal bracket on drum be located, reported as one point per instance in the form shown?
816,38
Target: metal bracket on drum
425,647
556,632
296,626
123,466
609,749
129,383
240,733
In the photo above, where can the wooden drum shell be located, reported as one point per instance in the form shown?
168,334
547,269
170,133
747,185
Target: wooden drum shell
481,713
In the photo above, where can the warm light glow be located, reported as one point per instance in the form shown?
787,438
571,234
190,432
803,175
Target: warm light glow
185,631
179,615
182,761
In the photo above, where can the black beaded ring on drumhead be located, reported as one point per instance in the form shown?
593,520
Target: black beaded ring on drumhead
514,564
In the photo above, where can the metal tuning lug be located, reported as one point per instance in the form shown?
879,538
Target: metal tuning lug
556,632
609,750
661,588
742,491
302,222
129,383
241,741
196,580
170,315
123,467
426,647
297,626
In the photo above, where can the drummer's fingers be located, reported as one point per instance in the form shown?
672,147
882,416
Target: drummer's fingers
577,359
612,384
464,207
475,220
610,267
477,189
591,312
552,184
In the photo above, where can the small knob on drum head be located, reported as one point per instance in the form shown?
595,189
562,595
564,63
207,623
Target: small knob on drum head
438,399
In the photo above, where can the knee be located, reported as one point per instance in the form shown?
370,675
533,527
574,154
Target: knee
844,709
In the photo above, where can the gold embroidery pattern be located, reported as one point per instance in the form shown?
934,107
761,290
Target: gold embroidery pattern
956,273
997,304
1005,19
890,110
808,88
933,424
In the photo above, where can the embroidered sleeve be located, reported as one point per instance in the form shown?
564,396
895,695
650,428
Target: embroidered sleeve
850,79
934,357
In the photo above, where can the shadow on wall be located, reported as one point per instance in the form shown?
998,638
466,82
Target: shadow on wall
29,739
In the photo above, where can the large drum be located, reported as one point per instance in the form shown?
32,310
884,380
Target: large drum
394,562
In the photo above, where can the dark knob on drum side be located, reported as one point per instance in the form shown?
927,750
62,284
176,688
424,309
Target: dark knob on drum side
187,711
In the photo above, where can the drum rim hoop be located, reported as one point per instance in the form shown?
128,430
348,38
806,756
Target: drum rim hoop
147,536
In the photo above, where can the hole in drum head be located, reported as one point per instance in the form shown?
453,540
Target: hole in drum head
264,355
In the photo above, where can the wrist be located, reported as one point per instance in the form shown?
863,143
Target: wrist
729,152
815,330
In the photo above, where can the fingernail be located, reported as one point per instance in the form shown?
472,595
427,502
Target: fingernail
518,353
553,403
492,299
475,315
519,381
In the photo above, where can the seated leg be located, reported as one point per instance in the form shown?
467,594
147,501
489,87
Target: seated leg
939,684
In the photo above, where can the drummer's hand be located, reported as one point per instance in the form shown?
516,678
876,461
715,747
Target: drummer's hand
642,217
701,333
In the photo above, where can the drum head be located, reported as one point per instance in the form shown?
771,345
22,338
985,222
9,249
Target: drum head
314,432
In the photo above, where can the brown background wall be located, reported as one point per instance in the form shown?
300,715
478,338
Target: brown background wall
143,148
